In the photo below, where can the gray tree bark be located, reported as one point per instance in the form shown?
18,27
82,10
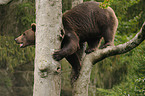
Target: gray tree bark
76,2
47,79
4,2
81,85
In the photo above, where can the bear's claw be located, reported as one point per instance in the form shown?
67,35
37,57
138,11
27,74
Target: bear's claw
87,51
57,56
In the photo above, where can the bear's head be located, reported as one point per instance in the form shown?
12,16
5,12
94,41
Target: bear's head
28,37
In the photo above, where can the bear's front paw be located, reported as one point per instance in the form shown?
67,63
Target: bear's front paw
57,56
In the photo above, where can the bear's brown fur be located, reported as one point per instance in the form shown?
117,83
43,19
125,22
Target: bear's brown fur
86,22
28,37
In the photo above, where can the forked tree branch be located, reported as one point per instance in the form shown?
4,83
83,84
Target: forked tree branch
80,87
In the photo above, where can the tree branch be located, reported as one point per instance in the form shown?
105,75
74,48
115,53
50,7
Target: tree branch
2,2
80,87
101,54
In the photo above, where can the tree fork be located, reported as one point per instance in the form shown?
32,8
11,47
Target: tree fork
80,87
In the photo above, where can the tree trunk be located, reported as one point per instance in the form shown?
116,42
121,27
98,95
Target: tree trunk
47,78
76,2
4,1
80,87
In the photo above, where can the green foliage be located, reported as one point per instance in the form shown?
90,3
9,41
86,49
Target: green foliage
121,75
65,78
125,27
125,74
126,24
140,86
12,55
25,13
66,5
5,79
104,92
106,4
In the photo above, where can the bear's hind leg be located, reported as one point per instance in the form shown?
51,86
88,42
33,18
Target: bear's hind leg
109,38
93,44
75,61
76,66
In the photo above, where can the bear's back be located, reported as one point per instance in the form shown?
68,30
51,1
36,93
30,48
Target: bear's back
88,17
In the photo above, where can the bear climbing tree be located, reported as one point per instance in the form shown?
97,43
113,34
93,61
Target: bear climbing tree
78,28
86,22
82,82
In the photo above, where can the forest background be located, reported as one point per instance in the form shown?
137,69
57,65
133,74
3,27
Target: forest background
121,75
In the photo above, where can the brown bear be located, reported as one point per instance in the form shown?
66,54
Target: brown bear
28,37
86,22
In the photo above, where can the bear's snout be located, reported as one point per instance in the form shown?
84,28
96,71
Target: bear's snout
19,39
16,40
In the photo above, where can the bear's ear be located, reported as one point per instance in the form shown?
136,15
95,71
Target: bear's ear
33,25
